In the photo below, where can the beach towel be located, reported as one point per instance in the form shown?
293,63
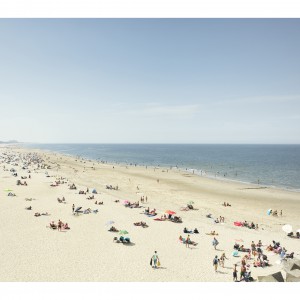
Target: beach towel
238,223
158,219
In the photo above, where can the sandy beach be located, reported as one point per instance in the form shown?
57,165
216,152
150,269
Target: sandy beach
31,251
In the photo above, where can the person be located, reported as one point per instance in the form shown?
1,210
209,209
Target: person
222,260
188,241
215,263
59,225
280,213
196,230
215,243
253,247
235,273
243,271
73,207
155,260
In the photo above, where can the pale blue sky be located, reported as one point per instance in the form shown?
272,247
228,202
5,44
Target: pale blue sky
150,80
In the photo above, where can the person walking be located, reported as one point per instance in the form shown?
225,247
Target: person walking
155,260
73,208
215,243
215,263
222,260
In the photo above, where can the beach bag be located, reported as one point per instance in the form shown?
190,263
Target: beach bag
158,263
151,262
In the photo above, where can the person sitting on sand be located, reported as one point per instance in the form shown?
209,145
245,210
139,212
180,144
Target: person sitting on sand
212,233
53,225
37,214
28,208
224,204
66,226
113,229
217,221
187,231
259,244
196,230
96,202
208,216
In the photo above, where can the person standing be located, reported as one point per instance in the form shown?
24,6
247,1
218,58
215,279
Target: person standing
188,241
155,260
215,263
235,273
73,208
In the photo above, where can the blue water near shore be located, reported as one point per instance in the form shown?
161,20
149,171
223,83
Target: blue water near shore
272,165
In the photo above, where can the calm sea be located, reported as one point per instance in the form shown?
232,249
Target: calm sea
272,165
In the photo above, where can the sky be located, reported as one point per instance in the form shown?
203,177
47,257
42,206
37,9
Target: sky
150,80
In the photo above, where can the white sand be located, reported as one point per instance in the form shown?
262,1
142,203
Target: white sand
32,252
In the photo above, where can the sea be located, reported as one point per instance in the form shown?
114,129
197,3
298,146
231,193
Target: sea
263,165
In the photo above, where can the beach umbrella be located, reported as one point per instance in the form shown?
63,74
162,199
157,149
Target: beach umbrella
123,232
170,212
287,228
109,223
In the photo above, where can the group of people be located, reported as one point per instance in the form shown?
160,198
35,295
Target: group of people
59,226
185,230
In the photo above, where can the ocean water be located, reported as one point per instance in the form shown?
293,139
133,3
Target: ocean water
269,165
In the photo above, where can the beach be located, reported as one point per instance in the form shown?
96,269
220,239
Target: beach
31,251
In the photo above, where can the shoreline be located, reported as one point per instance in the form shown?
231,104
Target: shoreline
181,169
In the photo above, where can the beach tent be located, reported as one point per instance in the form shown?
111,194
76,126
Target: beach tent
276,277
291,265
94,191
287,228
292,278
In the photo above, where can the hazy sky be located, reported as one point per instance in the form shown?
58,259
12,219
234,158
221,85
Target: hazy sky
150,80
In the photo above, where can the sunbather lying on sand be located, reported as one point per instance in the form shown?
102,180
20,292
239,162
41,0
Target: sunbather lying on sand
37,214
212,233
28,208
143,224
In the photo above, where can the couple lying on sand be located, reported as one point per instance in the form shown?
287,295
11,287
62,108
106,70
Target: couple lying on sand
143,224
37,214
